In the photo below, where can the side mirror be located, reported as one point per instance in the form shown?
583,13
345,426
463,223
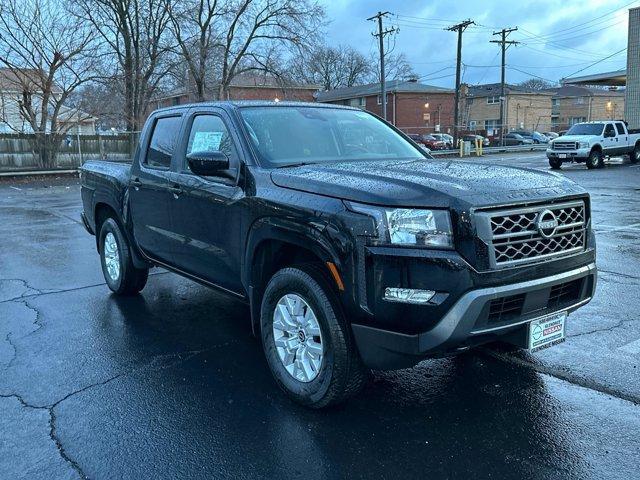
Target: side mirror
207,163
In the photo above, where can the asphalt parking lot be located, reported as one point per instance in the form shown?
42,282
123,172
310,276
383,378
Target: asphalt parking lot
170,384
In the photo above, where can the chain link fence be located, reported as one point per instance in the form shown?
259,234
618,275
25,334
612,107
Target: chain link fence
17,152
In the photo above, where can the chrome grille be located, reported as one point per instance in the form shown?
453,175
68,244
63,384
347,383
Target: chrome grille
565,145
514,235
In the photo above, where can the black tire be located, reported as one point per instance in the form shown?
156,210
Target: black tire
130,279
595,160
341,373
634,157
555,163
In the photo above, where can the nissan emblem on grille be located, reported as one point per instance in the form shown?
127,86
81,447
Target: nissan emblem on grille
547,223
531,233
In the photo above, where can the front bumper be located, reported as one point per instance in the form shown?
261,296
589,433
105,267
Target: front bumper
568,155
467,323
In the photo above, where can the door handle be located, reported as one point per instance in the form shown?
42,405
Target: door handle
136,183
176,190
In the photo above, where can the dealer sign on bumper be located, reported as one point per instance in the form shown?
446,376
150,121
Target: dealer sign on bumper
546,331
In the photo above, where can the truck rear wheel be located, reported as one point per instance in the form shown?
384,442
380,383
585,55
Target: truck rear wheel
555,163
595,160
122,277
635,155
306,340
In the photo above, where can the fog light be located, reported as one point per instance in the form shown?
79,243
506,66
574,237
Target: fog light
408,295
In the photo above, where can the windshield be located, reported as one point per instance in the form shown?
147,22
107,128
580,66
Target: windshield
294,135
586,129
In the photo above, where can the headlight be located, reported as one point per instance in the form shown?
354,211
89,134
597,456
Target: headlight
583,145
409,226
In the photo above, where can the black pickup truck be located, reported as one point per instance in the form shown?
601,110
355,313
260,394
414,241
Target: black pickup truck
353,248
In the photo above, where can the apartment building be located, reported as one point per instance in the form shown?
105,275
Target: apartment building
524,108
574,104
411,106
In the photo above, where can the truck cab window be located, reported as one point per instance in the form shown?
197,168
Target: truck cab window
209,134
620,128
609,131
163,142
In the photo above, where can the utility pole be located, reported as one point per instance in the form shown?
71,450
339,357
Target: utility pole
504,43
460,27
381,34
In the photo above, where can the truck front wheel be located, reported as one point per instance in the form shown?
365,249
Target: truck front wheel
121,275
595,160
306,340
555,163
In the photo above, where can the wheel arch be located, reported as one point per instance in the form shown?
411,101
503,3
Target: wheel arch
272,246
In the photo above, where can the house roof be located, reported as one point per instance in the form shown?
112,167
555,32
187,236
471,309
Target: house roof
492,89
392,86
579,91
17,79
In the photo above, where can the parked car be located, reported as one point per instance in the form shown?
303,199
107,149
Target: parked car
472,138
592,142
352,248
511,139
447,139
418,139
537,137
551,135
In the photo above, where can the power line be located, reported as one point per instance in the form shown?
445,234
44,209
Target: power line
595,63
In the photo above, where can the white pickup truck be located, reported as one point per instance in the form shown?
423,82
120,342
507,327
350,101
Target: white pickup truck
592,142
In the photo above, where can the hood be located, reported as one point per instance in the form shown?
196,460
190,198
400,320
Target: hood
424,183
574,138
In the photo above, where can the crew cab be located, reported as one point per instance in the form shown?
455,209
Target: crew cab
352,247
592,142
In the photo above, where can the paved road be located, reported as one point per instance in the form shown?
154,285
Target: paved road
170,384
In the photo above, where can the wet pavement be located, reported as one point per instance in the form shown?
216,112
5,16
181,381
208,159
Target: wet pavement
170,384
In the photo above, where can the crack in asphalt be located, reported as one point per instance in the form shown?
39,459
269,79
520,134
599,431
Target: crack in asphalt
15,350
626,275
606,329
25,284
562,375
152,364
40,293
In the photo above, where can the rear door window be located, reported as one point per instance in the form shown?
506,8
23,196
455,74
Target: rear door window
609,130
620,128
163,142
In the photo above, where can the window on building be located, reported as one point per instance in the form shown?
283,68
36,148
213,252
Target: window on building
574,120
360,102
554,102
493,99
491,126
578,101
469,101
473,124
163,142
379,100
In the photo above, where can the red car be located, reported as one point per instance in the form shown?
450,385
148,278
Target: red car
432,143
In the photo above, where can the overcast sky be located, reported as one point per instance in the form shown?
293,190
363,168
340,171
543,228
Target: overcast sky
559,37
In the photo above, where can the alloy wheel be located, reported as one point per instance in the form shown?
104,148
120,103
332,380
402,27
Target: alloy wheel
297,337
112,256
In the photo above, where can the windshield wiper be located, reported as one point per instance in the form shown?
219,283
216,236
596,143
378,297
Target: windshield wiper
291,165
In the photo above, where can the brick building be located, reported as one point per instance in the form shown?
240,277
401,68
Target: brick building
411,106
245,87
574,104
524,109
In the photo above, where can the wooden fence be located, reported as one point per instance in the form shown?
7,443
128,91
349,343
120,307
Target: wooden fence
16,152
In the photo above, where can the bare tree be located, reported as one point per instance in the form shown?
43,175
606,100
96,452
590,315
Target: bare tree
331,67
536,84
47,55
194,26
397,67
254,29
137,39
